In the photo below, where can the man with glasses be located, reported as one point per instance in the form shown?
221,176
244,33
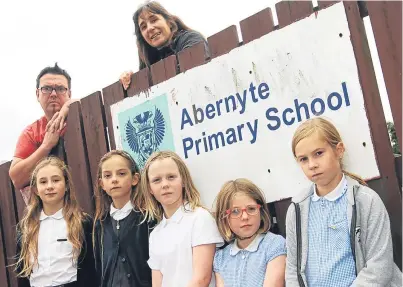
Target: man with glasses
40,138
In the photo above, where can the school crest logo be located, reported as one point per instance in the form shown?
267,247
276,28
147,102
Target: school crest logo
145,128
144,133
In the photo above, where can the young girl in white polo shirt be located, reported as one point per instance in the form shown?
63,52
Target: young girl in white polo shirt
183,244
54,237
254,256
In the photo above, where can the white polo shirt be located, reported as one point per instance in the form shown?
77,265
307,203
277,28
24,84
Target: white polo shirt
55,253
172,240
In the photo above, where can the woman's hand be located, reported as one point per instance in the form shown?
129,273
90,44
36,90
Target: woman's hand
125,79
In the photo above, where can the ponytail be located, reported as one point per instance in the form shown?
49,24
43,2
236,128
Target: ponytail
355,177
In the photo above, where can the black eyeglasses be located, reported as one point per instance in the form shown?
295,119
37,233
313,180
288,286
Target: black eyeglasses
47,90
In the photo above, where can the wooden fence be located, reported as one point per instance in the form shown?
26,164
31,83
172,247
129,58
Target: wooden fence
90,132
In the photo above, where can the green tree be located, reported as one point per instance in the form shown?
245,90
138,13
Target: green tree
393,137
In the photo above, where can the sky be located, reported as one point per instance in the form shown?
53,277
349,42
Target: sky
94,41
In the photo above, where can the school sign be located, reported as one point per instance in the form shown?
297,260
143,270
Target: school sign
235,116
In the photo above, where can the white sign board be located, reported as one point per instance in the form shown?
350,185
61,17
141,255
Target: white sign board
235,116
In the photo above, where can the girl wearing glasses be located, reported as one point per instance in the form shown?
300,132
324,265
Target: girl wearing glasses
254,255
183,244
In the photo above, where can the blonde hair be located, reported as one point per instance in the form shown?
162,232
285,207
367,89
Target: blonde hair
154,210
29,225
103,201
328,132
223,202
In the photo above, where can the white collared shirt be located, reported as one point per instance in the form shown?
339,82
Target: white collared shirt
252,247
119,214
55,253
335,194
172,240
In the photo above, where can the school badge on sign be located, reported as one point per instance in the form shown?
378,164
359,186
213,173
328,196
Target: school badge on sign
146,128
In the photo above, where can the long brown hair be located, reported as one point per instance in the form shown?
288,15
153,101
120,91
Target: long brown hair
328,132
154,210
148,55
29,225
224,200
103,201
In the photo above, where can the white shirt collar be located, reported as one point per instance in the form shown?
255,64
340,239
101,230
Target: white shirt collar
119,214
177,216
335,194
57,215
252,247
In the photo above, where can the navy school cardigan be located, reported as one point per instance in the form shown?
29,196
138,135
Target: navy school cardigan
126,248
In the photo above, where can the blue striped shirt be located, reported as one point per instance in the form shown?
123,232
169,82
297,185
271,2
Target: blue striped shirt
247,267
330,260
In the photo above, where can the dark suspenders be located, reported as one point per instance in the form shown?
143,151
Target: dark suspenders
352,230
299,244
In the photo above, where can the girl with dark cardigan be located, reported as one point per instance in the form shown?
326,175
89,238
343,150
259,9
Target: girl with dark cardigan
120,231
